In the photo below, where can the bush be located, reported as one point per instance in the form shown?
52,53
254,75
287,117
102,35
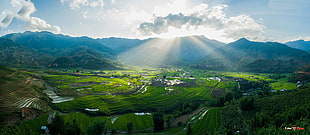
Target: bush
246,103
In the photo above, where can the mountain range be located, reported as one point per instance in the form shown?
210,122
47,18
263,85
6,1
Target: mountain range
177,51
245,55
299,44
45,49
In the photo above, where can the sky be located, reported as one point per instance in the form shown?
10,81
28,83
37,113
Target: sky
222,20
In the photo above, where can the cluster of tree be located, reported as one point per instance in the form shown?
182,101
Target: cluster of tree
260,114
158,119
58,126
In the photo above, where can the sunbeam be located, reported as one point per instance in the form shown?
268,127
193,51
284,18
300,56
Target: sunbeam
159,52
155,52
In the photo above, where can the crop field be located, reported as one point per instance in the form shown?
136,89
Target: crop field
114,92
153,97
249,76
207,121
119,97
282,85
140,122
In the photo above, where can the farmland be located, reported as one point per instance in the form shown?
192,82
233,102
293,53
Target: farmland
187,98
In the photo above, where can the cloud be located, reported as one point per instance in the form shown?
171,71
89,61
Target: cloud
16,3
77,4
204,17
24,14
37,24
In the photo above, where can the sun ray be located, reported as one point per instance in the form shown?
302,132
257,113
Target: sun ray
155,52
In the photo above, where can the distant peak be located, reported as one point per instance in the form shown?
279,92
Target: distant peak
242,40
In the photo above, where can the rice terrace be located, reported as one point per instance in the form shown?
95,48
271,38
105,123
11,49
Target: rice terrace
157,67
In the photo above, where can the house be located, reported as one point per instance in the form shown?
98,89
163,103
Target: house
44,130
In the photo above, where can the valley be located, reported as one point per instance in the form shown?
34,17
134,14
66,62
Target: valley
187,98
186,85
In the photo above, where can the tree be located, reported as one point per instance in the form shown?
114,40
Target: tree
72,128
130,128
97,128
189,129
246,103
168,121
57,126
158,119
228,97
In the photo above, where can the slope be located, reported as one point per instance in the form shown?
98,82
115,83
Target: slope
82,57
252,56
57,44
19,91
176,51
15,55
299,44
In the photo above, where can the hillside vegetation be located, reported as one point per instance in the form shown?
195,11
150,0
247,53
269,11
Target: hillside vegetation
245,55
19,90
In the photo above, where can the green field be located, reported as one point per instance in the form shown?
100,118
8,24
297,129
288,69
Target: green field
207,121
140,122
117,96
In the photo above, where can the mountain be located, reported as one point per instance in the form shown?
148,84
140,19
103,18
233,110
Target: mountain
82,57
120,45
160,52
299,44
45,49
15,55
252,56
151,52
57,44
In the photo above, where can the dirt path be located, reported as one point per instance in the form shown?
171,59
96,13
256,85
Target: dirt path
184,118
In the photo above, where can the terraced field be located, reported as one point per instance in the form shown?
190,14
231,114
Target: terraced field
122,97
154,97
119,123
20,90
207,121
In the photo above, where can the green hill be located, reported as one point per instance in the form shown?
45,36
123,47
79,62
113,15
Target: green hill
19,91
82,57
15,55
245,55
56,44
45,49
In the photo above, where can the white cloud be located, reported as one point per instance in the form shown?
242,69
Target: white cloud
77,4
24,14
37,24
16,3
212,18
299,38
